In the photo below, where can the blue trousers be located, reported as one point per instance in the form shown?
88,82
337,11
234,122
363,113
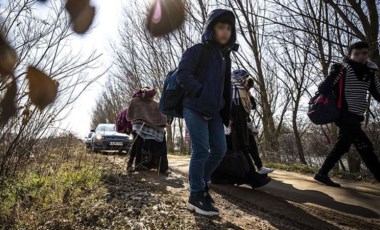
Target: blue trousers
208,144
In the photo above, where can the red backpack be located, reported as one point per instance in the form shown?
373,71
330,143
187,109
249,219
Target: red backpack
122,124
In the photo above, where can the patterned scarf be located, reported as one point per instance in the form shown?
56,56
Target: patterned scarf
240,95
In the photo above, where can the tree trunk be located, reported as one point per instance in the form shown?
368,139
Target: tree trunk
297,137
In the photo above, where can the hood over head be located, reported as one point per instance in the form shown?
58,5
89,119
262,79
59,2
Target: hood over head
219,15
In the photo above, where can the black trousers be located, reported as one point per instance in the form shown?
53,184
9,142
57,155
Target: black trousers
158,150
159,153
136,150
350,132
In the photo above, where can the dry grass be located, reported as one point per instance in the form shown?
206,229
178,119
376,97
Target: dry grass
77,190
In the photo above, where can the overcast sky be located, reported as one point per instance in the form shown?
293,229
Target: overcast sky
108,18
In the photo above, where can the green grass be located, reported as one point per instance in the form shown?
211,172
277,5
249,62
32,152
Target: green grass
293,167
27,194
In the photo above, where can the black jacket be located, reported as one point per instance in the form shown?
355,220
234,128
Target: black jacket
208,91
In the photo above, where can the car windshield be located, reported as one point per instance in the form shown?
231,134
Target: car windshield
106,128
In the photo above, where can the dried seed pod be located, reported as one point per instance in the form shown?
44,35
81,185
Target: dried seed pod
8,102
165,16
25,115
81,14
42,89
8,57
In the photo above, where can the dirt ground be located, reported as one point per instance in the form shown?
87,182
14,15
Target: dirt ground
244,208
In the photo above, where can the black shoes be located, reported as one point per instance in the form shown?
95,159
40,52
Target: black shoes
202,205
260,180
324,179
208,196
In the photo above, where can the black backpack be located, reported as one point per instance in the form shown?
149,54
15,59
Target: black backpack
325,109
233,169
171,101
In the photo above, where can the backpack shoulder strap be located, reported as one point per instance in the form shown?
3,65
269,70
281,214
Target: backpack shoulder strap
343,71
342,75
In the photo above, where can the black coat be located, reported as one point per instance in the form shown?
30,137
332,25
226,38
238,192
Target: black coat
208,91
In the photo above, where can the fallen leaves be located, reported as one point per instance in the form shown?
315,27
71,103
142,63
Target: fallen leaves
42,89
165,16
81,13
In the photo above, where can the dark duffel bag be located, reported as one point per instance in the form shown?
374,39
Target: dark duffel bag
233,169
325,109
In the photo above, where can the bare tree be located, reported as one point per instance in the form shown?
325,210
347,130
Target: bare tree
41,41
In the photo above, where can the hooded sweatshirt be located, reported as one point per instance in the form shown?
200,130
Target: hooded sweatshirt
208,91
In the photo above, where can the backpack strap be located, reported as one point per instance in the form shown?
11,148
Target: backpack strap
341,86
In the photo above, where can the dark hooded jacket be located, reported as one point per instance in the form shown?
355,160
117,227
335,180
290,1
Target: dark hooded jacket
208,90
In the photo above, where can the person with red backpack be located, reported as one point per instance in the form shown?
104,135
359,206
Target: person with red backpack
207,103
359,77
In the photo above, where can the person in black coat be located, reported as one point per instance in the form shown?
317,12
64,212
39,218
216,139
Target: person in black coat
207,103
241,143
243,130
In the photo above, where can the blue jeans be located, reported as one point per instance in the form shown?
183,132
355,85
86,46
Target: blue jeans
208,144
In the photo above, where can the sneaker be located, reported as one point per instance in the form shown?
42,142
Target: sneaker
199,204
208,196
265,170
325,180
260,180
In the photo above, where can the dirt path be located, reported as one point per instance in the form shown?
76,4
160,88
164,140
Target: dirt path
290,201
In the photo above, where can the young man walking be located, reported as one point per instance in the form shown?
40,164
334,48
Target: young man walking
207,103
359,78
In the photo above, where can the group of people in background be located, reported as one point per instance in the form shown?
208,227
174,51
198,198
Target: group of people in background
217,109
